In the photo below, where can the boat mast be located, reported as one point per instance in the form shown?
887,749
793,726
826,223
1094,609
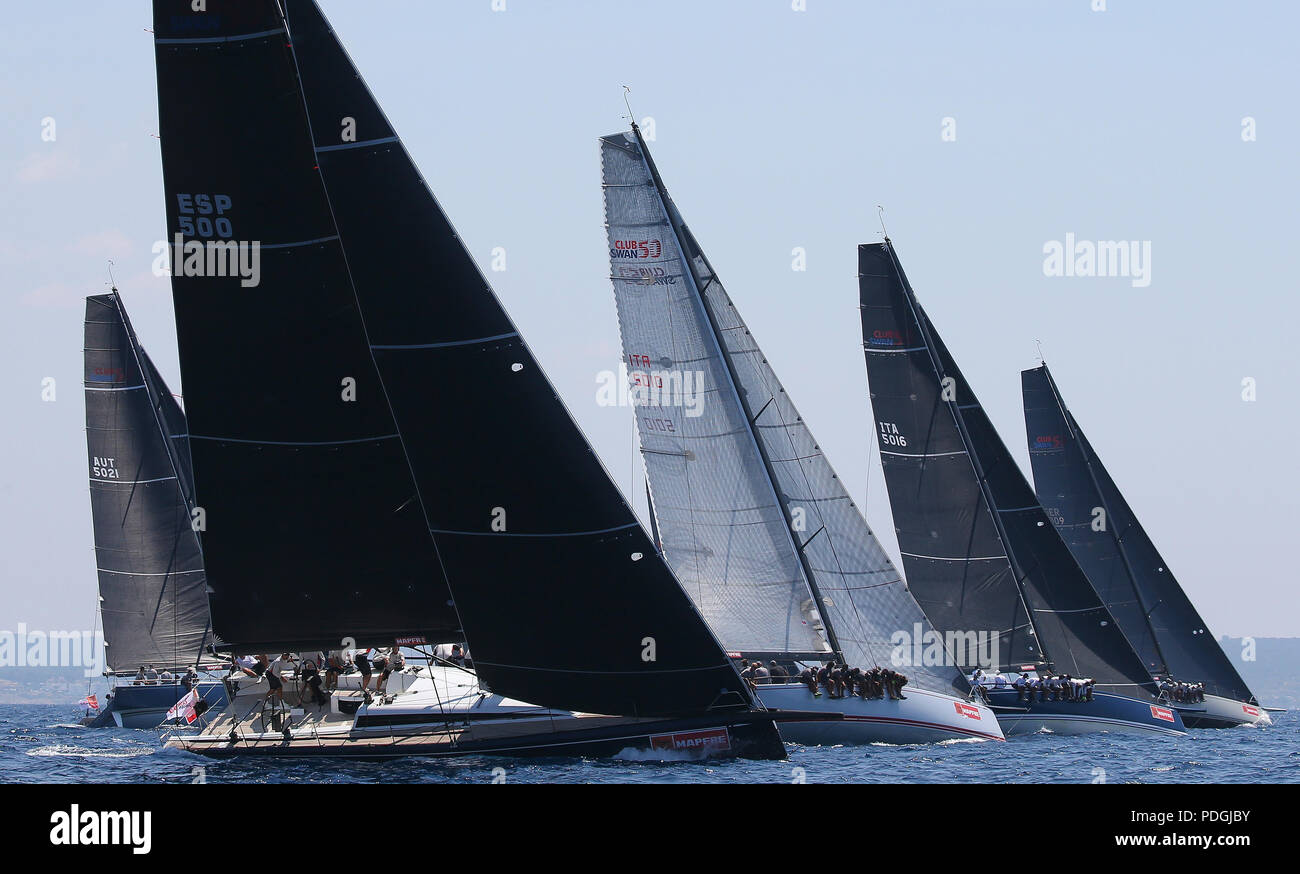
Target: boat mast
1105,506
1017,571
715,335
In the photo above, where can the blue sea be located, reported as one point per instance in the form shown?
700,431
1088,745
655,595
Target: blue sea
43,744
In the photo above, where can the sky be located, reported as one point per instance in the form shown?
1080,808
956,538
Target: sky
986,131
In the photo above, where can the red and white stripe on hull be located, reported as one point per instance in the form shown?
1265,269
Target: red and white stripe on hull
923,717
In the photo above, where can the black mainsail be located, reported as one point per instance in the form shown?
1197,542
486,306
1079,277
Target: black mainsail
564,600
152,600
312,527
980,553
1114,550
751,516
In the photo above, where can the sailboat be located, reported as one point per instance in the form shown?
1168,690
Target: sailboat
747,510
1124,565
980,553
152,602
379,454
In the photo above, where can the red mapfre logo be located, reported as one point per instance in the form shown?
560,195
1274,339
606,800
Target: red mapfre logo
1162,713
706,739
967,710
1250,711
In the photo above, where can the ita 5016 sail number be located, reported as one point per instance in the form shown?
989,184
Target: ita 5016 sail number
890,435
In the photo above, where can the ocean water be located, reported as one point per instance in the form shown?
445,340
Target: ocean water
43,744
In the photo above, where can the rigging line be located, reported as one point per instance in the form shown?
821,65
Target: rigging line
871,443
133,346
628,103
155,407
764,369
697,554
486,285
523,344
361,317
977,467
679,233
1115,535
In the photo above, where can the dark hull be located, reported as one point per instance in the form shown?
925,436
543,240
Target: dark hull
1201,720
147,706
1105,713
748,735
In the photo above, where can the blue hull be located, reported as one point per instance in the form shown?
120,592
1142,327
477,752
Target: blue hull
1106,712
147,706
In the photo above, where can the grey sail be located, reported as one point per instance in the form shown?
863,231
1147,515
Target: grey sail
753,519
978,548
152,596
1119,557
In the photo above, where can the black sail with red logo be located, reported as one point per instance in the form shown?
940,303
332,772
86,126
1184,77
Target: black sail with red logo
979,552
564,600
1114,550
312,527
152,601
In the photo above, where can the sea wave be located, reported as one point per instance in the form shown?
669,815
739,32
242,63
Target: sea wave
76,752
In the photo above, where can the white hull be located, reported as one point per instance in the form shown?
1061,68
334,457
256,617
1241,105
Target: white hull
419,695
444,713
1225,713
923,717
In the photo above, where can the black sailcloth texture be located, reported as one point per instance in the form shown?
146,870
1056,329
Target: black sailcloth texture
1114,550
313,531
152,601
564,600
948,472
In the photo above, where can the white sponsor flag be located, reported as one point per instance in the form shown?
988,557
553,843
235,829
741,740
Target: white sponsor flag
184,708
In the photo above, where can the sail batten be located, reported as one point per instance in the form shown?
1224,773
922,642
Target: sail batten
564,599
153,604
296,465
750,514
1119,558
